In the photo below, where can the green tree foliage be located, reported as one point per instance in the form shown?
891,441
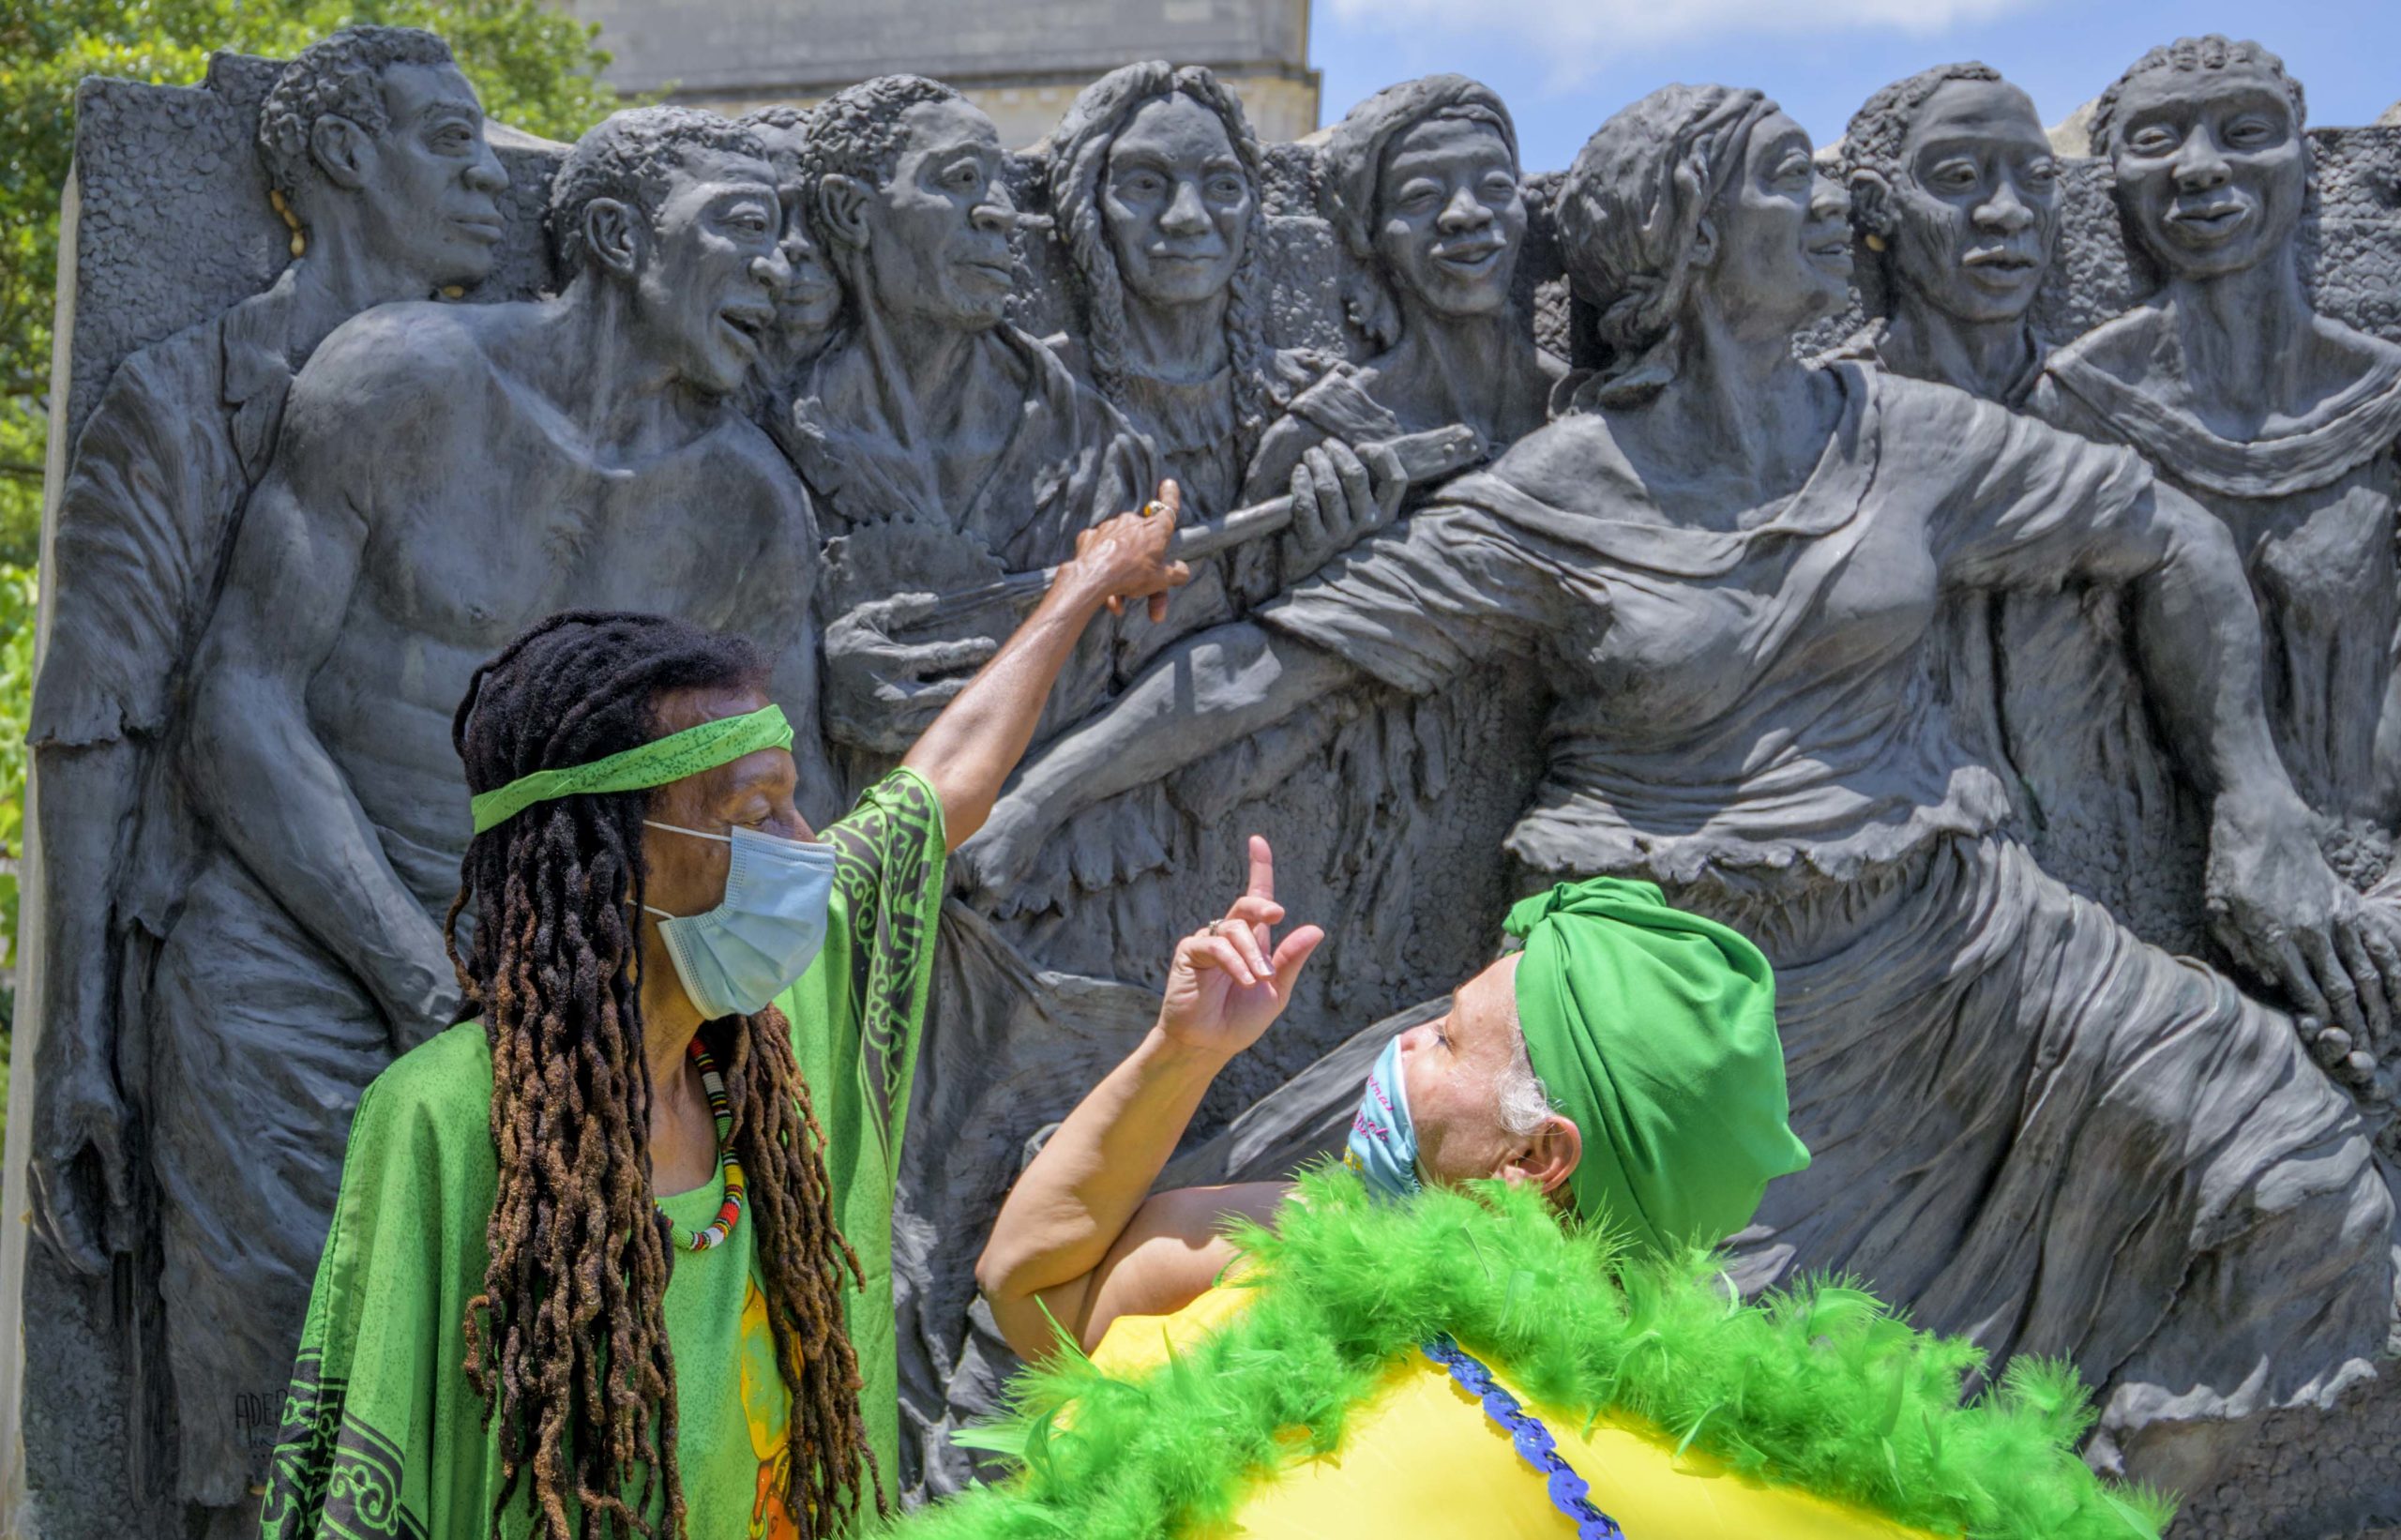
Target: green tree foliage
535,68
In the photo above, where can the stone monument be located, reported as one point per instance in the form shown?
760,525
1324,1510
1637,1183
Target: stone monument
1903,564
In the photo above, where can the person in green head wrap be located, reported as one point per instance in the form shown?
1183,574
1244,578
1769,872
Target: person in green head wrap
1624,1062
614,1257
1522,1245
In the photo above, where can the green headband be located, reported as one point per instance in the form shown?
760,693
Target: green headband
653,763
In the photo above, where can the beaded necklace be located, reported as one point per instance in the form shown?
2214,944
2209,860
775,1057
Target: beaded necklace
729,1213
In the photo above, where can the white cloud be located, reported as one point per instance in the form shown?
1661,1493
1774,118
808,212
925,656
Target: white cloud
1578,36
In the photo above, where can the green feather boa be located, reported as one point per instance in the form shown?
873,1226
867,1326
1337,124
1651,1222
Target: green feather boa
1819,1388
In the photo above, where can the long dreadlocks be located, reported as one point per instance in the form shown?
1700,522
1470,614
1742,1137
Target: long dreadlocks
568,1343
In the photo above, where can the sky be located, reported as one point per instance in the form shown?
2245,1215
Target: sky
1564,65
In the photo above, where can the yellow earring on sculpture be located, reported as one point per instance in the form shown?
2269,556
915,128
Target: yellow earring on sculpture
1875,242
299,242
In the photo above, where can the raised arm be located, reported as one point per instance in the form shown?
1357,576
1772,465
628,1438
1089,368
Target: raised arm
979,737
1080,1241
259,772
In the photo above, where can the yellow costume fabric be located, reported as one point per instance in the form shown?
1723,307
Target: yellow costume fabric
1421,1459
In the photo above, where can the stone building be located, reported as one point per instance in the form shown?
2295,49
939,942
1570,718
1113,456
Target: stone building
1022,61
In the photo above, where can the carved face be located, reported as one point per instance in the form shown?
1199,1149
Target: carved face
705,292
937,231
808,303
1975,208
1175,202
2211,169
1780,250
1450,216
430,186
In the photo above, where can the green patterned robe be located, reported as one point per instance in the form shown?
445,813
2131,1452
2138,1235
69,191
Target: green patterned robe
382,1435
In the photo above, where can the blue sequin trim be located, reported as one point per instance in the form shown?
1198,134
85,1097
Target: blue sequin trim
1569,1493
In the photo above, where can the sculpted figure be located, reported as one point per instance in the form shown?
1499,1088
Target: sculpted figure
1421,185
446,475
2280,421
1954,196
941,443
2029,1126
375,144
1154,194
810,301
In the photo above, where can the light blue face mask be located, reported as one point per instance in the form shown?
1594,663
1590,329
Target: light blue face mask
1384,1142
735,959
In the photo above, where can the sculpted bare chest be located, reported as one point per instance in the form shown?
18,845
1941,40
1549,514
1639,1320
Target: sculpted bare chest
530,520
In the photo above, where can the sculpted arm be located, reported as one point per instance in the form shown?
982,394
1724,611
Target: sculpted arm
2273,901
1205,693
258,769
979,737
2044,505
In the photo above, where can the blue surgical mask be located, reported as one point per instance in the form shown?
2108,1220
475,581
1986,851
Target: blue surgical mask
1383,1143
735,959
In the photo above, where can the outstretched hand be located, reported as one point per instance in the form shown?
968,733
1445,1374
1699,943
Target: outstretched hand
1127,557
1231,979
2284,915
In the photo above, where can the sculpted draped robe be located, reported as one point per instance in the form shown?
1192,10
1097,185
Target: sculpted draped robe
2030,1128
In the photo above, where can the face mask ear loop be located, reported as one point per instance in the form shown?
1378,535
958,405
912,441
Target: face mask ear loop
678,828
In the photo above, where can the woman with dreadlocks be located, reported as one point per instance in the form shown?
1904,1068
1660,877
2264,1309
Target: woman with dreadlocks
590,1268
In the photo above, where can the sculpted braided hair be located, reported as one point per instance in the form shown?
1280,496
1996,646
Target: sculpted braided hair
1629,222
1078,167
568,1343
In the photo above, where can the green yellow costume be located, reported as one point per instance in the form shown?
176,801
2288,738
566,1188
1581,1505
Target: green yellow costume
383,1434
1320,1392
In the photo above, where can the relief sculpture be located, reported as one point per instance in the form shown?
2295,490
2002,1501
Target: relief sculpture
2030,698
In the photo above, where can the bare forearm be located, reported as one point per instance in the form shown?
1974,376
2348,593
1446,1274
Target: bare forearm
1093,1174
279,800
1215,689
970,747
2198,640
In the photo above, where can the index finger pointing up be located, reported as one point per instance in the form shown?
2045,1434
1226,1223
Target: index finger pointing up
1262,869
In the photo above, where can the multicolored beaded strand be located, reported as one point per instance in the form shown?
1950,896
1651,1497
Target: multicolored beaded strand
729,1213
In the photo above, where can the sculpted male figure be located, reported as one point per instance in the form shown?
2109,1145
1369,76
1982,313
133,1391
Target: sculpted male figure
374,142
1954,194
447,474
942,443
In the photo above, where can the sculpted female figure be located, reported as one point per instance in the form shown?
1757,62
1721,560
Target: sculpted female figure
1422,185
2280,421
2029,1126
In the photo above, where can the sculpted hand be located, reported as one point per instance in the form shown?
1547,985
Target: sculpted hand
78,1168
1231,979
1127,557
2283,913
997,859
1340,495
881,695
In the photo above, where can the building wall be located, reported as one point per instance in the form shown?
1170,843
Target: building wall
1022,61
